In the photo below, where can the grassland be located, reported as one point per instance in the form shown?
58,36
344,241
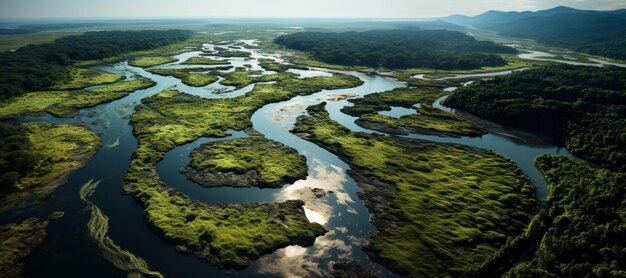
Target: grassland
204,61
187,77
150,61
440,209
60,149
12,42
81,78
67,103
17,240
231,235
429,119
246,162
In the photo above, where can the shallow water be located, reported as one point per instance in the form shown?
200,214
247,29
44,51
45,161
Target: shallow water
398,112
68,251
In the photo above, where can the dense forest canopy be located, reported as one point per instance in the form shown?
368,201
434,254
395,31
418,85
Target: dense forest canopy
16,156
36,67
437,49
583,106
584,225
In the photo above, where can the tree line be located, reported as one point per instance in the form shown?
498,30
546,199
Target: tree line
37,67
584,107
400,49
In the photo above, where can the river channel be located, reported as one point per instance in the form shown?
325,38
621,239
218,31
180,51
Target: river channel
69,251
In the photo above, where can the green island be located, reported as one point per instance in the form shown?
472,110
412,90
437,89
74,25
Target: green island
440,209
272,65
67,103
149,61
429,119
246,162
205,61
187,77
233,53
81,78
580,106
228,236
17,240
38,158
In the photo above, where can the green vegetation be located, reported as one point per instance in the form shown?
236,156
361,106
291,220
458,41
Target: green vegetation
594,32
269,64
98,227
584,107
187,77
233,53
65,103
39,157
16,242
145,62
440,209
37,67
229,235
272,164
204,61
584,224
81,78
15,41
398,49
429,119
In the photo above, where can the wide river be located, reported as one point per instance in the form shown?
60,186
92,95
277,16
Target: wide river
69,251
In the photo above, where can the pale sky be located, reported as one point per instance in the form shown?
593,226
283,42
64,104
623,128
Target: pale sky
280,8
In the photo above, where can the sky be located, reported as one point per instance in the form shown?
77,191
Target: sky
280,8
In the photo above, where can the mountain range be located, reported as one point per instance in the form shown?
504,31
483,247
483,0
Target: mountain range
595,32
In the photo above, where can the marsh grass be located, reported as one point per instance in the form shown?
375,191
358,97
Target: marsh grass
98,229
67,103
429,118
440,209
81,78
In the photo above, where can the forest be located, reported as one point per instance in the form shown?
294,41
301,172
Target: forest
583,107
37,67
16,156
595,33
584,224
401,49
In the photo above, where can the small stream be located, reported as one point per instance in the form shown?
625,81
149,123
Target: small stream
68,251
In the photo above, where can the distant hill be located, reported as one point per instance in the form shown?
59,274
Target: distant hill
594,32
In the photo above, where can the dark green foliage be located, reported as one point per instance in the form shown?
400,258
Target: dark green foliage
595,32
598,34
585,223
398,49
584,107
16,159
36,67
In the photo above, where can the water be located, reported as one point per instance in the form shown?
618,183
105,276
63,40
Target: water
398,112
68,251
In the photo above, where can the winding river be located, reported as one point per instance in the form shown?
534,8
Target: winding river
68,250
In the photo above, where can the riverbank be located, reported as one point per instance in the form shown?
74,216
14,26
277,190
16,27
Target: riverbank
246,162
60,150
228,236
438,208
